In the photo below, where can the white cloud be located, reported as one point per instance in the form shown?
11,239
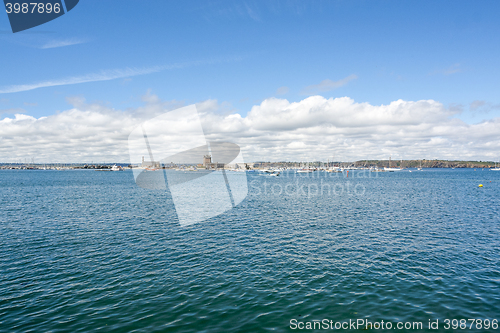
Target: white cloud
251,13
107,75
282,91
483,106
12,110
477,104
327,85
453,69
62,42
312,129
93,77
317,128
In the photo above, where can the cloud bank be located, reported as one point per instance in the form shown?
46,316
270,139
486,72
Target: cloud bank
314,128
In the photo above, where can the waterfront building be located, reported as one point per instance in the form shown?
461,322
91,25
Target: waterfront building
150,164
207,163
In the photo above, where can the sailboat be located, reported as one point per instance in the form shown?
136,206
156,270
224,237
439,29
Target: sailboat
495,168
420,168
392,169
305,169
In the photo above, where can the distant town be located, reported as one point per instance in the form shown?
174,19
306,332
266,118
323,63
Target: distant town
261,165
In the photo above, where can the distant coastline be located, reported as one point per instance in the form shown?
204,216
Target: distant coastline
262,164
405,164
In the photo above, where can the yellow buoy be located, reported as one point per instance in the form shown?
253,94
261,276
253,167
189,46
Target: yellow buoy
480,185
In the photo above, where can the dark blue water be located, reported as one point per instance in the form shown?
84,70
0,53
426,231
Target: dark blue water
91,251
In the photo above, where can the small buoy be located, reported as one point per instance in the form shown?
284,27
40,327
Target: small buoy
480,185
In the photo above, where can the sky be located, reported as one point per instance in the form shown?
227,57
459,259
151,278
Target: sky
285,80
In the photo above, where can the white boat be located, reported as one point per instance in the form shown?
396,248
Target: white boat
304,170
116,168
495,168
334,169
420,168
390,169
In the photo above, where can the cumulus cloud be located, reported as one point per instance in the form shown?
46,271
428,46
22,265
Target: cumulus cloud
327,85
314,128
317,128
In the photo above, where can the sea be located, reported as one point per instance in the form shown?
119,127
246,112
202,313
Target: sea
90,251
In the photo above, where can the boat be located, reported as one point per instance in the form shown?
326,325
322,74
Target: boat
495,168
420,168
304,170
116,168
334,169
390,169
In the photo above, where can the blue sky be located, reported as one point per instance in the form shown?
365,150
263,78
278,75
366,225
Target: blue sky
241,53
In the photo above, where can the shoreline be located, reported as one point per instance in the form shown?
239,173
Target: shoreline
405,164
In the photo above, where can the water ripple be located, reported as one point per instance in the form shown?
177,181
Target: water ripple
86,251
